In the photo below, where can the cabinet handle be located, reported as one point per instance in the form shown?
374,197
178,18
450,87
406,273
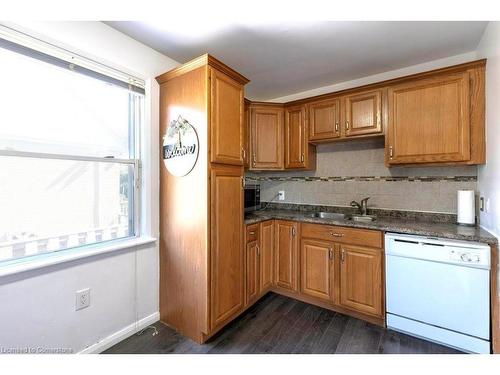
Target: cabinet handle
347,125
337,234
254,159
330,254
244,153
337,127
251,233
302,158
293,231
343,256
243,182
390,152
258,250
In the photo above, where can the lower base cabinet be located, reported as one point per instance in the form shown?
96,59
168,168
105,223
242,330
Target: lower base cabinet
343,267
259,260
286,267
317,269
334,267
253,272
361,279
266,255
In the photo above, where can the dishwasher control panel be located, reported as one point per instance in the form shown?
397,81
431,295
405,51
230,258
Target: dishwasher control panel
465,256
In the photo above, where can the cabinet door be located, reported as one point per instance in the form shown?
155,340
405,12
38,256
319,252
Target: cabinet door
253,272
226,125
363,113
266,127
361,279
226,250
324,120
286,255
317,269
296,146
246,137
429,120
266,255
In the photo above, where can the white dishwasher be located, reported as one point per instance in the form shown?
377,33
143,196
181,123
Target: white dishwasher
439,290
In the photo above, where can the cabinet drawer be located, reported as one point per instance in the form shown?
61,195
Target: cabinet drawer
353,236
252,233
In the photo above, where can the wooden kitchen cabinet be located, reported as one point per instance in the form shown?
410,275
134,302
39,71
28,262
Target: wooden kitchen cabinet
299,154
202,254
324,120
266,137
286,267
246,135
437,119
253,266
361,279
363,114
429,120
252,272
227,117
317,269
266,255
226,256
342,266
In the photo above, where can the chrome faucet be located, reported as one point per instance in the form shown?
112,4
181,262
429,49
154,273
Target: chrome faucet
362,206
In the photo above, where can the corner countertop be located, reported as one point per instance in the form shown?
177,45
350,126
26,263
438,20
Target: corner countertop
421,228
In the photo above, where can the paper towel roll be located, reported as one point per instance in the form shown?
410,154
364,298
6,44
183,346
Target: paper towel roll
466,207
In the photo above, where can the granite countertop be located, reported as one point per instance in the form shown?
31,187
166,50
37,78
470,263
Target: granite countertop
399,225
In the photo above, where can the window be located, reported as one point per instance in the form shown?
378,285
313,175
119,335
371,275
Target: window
68,154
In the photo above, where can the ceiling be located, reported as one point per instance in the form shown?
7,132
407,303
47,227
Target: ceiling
285,58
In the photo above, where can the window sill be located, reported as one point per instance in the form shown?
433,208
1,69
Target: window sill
50,259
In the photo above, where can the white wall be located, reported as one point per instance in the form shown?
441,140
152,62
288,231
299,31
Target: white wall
38,307
489,174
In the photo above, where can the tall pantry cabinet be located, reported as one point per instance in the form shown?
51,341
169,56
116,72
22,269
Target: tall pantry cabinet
202,262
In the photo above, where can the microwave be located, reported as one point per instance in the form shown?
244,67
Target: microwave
252,198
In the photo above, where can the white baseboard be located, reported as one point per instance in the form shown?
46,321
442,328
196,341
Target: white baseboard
120,335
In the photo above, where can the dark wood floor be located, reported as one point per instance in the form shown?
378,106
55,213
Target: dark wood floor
278,324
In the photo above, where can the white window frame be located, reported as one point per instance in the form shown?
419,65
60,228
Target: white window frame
136,86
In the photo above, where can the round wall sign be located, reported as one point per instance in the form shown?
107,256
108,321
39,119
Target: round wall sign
180,147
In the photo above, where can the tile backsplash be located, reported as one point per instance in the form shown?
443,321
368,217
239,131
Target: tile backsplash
354,170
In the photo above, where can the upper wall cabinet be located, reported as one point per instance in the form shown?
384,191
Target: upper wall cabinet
437,120
324,120
355,115
363,114
298,152
226,110
266,137
431,118
246,135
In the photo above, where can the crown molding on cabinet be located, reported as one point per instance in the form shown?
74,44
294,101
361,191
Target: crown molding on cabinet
203,60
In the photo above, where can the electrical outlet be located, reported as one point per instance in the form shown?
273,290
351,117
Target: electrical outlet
281,195
82,299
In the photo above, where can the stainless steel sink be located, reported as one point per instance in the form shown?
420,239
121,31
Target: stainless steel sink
329,215
363,217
